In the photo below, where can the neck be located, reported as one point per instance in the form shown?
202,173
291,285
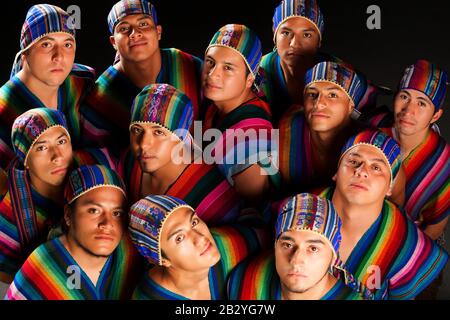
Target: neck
141,73
225,107
296,71
185,283
160,180
331,140
314,293
409,142
92,265
54,193
48,95
356,218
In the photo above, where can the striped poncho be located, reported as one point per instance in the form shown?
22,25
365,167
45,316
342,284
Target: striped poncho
26,217
107,107
51,273
427,167
394,256
234,243
256,278
16,98
202,186
246,138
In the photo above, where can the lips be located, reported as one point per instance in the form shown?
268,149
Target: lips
359,186
208,246
319,115
105,237
406,122
138,44
212,86
59,171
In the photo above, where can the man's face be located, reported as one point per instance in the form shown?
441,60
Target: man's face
414,112
187,242
51,59
97,220
363,176
297,40
50,157
152,146
327,106
136,38
225,78
302,260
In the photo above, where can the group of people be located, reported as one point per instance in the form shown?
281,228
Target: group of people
315,191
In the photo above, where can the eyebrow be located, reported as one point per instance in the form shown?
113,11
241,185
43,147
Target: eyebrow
357,155
180,229
46,141
319,241
53,39
143,17
226,63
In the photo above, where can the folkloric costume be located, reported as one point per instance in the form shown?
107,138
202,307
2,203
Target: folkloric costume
252,118
296,152
201,185
257,278
45,275
16,98
427,167
393,259
107,107
147,218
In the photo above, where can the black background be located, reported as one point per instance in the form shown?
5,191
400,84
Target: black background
409,31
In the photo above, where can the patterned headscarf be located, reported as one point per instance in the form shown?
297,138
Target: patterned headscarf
243,41
382,142
338,74
87,178
125,8
147,218
166,106
41,20
427,78
305,9
308,212
30,125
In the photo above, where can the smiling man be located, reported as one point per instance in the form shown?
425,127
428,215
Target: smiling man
44,74
381,247
135,35
94,258
190,260
307,244
418,105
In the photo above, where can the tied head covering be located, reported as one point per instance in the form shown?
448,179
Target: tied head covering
383,143
125,8
243,41
41,20
147,218
427,78
87,178
339,74
308,212
30,125
166,106
305,9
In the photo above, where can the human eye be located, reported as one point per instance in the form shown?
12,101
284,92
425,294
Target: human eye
123,28
41,148
62,141
307,35
46,44
68,45
311,95
286,245
195,222
314,249
333,95
285,33
159,132
93,210
117,213
136,130
179,238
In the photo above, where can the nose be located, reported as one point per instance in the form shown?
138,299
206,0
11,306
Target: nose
294,43
135,33
199,238
361,171
56,155
57,53
106,221
214,72
408,107
321,102
146,140
298,257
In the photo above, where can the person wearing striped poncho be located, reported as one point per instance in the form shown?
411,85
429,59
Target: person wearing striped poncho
94,258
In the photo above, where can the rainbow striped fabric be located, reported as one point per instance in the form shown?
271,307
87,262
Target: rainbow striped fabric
22,202
306,9
202,186
16,98
242,40
252,121
125,8
427,170
164,105
49,273
256,278
234,243
12,249
394,256
427,78
107,107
